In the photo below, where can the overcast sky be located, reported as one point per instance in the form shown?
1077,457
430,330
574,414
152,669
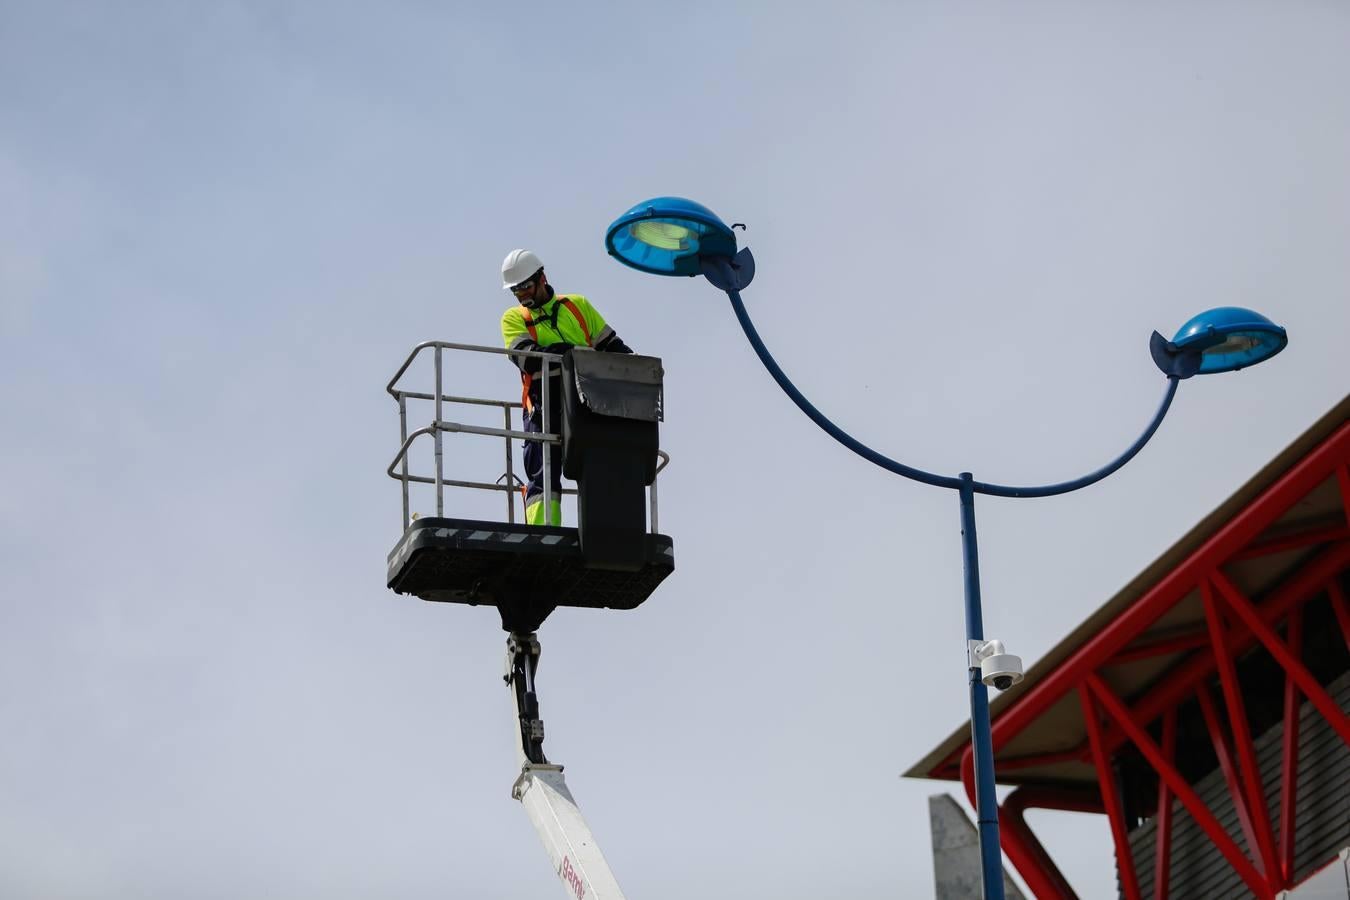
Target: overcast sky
223,226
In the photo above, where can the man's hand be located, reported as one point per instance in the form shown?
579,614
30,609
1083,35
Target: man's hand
534,364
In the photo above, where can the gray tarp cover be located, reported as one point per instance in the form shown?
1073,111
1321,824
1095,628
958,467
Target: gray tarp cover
619,384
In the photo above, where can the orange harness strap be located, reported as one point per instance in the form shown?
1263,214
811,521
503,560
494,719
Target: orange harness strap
581,320
526,379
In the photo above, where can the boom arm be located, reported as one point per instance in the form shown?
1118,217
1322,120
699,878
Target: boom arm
542,790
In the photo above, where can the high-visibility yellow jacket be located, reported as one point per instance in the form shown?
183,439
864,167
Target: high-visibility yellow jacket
564,319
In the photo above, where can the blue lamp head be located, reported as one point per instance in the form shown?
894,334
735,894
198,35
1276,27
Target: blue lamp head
668,236
1219,340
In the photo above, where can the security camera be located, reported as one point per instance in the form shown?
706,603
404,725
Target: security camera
998,669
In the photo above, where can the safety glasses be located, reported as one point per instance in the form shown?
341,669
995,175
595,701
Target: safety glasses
525,286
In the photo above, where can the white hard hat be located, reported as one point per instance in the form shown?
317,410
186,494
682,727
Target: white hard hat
519,266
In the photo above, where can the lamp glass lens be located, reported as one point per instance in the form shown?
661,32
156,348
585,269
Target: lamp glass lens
1239,350
663,235
1234,343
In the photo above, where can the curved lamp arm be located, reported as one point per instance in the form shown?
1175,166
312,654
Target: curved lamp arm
1064,487
899,468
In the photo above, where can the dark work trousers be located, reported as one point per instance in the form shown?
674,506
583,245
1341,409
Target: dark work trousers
534,459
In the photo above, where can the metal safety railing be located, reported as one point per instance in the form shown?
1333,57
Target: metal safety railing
507,482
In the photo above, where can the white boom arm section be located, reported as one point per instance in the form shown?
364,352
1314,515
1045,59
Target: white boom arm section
542,790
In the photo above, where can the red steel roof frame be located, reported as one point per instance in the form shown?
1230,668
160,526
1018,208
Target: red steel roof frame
1233,623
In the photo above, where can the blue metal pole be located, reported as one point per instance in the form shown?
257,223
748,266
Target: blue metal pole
986,801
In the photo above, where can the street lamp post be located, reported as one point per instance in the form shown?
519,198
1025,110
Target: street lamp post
675,236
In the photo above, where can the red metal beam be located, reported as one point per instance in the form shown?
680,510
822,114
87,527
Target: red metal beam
1182,681
1028,856
1064,799
1256,820
1025,852
1189,641
1238,533
1341,608
1115,708
1315,693
1244,527
1343,479
1327,535
1289,765
1129,880
1011,763
1308,581
1223,752
1039,871
1162,832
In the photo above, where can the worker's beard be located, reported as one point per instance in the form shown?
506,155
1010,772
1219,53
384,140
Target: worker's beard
539,298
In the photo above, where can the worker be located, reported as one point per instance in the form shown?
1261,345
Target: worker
555,323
